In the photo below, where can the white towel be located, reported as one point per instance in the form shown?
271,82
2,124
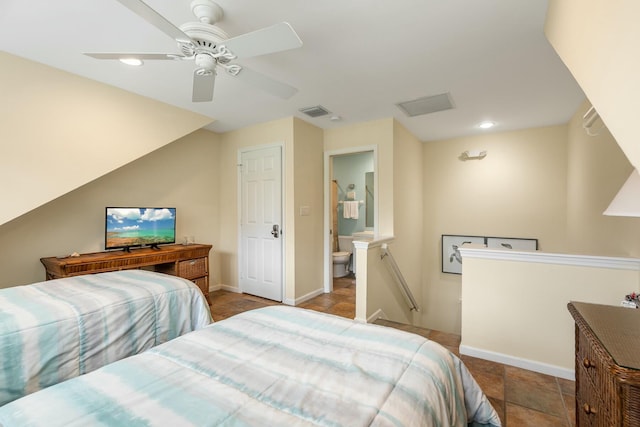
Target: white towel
355,209
351,208
346,210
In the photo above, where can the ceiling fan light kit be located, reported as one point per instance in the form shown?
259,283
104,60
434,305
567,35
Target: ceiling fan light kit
135,62
209,47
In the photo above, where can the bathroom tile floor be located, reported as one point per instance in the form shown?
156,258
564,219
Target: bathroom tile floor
522,398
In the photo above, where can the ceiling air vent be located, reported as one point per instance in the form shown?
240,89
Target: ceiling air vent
316,111
426,105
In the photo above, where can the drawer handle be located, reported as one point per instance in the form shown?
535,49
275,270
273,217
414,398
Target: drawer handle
588,409
588,363
192,263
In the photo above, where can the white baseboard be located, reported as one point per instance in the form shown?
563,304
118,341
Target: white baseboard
220,287
287,301
378,314
518,362
304,298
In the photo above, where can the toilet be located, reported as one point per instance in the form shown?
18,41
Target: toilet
341,259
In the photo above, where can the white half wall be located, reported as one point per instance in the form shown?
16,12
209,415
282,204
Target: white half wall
514,304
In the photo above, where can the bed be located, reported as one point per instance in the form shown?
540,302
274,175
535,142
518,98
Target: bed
274,366
55,330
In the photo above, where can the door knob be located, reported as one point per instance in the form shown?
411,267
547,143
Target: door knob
275,231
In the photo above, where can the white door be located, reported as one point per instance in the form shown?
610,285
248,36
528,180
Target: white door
261,223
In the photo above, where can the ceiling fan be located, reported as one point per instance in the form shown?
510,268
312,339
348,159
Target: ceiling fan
210,47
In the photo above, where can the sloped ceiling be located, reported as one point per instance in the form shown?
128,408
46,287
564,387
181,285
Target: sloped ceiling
599,42
60,131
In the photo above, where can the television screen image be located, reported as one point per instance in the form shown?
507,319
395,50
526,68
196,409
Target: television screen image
128,227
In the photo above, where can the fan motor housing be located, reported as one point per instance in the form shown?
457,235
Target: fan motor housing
204,36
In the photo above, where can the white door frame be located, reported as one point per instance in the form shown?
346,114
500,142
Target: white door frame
328,253
283,227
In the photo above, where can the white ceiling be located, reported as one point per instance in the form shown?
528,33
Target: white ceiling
359,59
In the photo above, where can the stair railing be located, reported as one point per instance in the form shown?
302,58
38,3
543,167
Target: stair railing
402,283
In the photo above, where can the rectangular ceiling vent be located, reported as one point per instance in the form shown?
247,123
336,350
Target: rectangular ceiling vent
317,111
426,105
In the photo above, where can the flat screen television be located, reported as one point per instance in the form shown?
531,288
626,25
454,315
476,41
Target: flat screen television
133,227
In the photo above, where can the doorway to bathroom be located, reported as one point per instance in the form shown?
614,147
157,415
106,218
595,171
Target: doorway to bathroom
350,207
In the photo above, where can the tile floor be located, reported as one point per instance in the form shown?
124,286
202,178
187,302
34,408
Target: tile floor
522,398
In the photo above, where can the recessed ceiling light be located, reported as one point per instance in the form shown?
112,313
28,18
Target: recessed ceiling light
486,125
131,61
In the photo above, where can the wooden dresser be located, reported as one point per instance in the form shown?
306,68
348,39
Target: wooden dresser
607,365
188,261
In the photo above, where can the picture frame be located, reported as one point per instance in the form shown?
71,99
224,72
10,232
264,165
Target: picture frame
516,244
451,259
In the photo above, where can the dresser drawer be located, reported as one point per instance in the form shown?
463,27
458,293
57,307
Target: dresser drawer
193,268
203,284
607,365
590,409
588,359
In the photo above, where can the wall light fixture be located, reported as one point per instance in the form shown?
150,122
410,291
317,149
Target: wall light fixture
473,155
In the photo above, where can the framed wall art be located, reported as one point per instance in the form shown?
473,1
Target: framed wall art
451,259
512,243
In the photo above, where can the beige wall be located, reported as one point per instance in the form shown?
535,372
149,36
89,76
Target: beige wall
308,192
178,175
517,190
302,145
377,133
275,132
399,182
60,131
378,298
198,175
598,42
596,169
382,295
536,332
408,216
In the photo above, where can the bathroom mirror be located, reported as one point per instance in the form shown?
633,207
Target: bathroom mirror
368,203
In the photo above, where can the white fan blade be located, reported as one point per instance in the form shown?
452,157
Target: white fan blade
267,84
272,39
141,9
203,86
151,56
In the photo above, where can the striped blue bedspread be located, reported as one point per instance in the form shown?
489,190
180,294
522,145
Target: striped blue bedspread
59,329
275,366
